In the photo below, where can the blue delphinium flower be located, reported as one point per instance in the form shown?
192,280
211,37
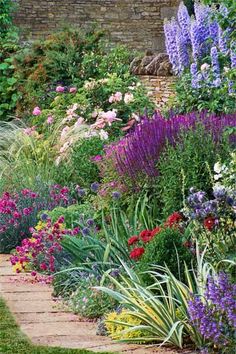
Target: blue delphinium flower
170,28
195,40
194,76
182,50
215,62
214,32
223,41
184,22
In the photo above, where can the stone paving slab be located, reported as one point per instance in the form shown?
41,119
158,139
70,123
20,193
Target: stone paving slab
46,323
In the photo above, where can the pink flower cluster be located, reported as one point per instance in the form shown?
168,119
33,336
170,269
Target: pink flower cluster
39,252
11,212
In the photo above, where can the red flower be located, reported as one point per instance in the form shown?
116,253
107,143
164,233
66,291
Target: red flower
173,219
156,231
209,223
145,236
132,240
136,253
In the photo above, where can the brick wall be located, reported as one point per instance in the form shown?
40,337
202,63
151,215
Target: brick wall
136,23
160,88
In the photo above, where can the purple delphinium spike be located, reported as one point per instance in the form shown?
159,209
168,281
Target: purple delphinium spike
195,40
214,32
182,50
170,28
223,41
194,76
184,22
215,62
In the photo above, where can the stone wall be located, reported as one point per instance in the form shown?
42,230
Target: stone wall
160,88
136,23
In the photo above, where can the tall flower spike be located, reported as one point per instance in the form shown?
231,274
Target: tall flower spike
195,39
202,14
184,21
214,32
182,50
215,62
170,28
194,74
223,41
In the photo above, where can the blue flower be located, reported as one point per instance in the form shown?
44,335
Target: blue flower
94,187
116,195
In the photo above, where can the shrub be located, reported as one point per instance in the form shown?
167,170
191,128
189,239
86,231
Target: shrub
188,163
118,323
80,167
167,247
89,302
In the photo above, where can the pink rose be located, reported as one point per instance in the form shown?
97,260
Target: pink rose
36,111
50,119
60,89
73,90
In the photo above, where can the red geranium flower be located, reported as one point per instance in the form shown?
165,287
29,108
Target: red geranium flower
145,236
136,253
156,231
173,219
132,240
209,223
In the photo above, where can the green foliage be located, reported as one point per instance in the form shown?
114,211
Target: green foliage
80,168
187,164
89,302
6,10
72,214
166,248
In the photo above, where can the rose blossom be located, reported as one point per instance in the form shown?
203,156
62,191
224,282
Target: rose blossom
50,119
129,97
36,111
73,90
60,89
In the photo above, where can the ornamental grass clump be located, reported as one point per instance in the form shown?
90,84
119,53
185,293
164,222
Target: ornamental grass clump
135,156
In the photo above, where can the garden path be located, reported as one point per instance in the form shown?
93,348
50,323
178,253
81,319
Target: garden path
45,321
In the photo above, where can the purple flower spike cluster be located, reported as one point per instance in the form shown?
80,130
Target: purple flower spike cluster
195,38
215,315
138,153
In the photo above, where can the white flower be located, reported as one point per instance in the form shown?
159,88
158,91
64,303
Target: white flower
217,167
205,67
103,135
129,97
58,160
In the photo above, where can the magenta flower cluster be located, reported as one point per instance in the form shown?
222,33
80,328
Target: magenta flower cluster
137,154
215,315
18,212
41,250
